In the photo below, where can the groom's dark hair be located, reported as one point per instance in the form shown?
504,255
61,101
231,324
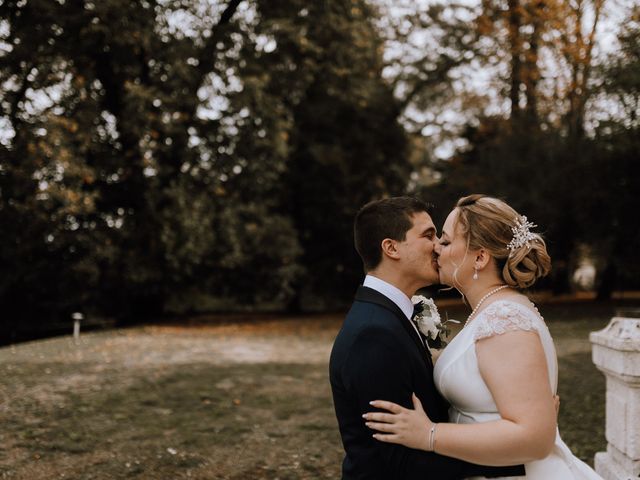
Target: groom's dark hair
380,219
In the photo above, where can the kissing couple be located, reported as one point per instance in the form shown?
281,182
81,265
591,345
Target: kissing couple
487,408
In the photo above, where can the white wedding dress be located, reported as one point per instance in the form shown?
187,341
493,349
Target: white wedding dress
458,379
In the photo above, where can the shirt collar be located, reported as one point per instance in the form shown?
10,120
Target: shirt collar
392,292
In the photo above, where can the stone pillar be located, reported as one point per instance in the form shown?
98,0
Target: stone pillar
616,353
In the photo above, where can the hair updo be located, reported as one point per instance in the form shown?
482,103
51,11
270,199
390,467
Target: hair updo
487,223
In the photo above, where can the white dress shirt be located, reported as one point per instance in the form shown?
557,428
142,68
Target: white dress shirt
391,292
394,294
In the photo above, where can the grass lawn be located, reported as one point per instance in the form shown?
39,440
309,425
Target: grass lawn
248,401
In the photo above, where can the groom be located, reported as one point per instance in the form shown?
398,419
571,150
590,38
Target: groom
380,354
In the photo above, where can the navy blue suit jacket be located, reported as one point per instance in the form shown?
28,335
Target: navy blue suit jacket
378,355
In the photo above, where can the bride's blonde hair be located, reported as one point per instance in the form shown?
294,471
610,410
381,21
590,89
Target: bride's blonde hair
487,223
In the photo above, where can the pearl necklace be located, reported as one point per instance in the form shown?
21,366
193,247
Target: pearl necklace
495,290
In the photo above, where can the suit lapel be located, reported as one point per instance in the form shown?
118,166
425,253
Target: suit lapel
369,295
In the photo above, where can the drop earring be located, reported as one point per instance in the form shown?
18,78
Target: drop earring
475,273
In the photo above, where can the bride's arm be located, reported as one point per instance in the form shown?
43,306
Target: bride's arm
513,366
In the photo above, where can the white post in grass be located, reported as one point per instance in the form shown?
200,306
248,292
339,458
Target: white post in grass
616,353
77,316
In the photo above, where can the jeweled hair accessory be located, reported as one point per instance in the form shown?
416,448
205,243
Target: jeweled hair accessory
522,234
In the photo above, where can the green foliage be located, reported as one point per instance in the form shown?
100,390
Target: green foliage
621,76
157,153
579,188
580,193
159,148
346,150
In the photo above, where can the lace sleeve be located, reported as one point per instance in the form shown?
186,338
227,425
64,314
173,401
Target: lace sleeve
502,317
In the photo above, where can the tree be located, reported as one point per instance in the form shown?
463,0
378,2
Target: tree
616,170
121,158
346,146
188,150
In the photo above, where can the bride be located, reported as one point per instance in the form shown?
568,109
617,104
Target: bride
500,372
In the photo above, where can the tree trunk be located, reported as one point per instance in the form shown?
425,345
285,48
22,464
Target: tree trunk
531,70
515,42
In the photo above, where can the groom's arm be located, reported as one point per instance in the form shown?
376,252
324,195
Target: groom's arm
378,370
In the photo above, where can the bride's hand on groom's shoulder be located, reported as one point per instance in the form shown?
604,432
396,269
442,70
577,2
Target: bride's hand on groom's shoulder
400,425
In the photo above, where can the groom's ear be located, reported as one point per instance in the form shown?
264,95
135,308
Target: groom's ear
390,248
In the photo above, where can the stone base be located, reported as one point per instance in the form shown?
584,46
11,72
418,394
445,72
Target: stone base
611,469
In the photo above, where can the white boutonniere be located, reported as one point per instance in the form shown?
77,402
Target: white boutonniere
429,323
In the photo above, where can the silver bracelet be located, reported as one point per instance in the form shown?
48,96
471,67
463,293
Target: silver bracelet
432,438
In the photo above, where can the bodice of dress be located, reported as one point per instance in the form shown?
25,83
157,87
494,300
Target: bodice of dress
458,378
457,375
